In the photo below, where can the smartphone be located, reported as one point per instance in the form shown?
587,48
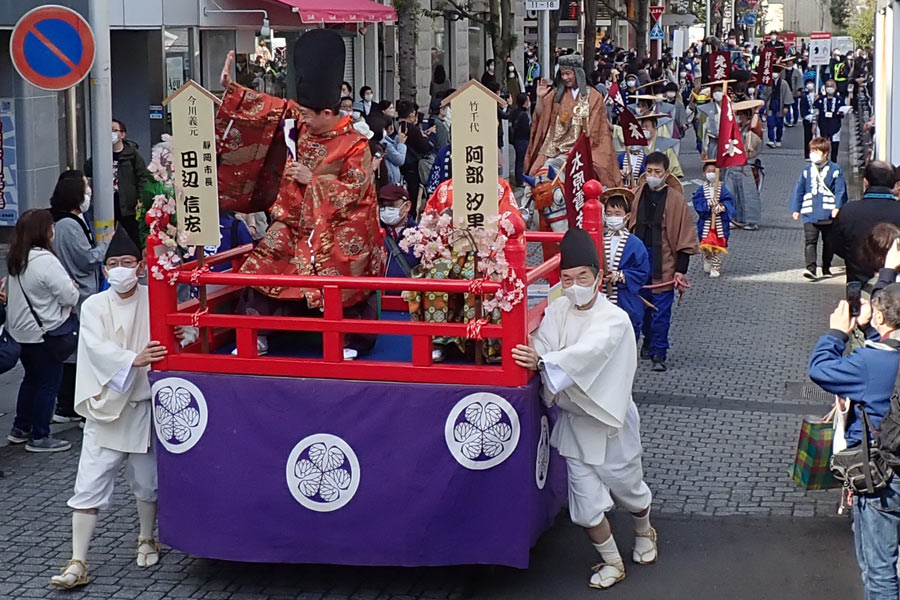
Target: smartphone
426,123
854,292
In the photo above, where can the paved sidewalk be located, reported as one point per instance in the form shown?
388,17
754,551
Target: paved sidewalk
719,429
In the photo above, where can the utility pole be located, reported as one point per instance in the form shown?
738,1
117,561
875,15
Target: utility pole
101,123
544,43
708,17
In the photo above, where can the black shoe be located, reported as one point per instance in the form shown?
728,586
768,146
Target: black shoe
645,352
826,274
659,363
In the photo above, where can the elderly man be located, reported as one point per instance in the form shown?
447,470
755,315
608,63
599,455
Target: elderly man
563,111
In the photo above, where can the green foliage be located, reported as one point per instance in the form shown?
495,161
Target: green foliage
840,12
862,24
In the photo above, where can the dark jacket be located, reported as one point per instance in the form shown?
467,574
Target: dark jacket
130,173
855,221
519,125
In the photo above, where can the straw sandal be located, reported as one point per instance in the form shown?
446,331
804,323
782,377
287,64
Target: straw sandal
599,581
147,558
646,557
66,581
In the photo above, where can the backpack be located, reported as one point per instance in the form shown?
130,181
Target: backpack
889,430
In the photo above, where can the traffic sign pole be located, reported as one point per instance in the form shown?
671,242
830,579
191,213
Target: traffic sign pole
101,124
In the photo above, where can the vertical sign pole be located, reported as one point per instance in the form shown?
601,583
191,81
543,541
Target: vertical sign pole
544,43
101,123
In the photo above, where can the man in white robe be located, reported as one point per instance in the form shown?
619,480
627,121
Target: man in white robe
112,393
586,354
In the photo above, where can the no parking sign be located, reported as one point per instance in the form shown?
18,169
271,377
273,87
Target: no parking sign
52,47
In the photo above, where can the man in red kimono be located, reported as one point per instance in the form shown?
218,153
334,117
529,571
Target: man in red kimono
325,217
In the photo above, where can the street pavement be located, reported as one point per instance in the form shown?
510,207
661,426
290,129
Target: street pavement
719,431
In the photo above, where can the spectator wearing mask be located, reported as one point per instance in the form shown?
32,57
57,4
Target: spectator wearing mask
856,219
81,257
807,113
40,306
514,83
417,145
866,376
394,213
818,196
346,105
441,136
488,76
394,143
794,76
129,177
520,130
831,114
365,102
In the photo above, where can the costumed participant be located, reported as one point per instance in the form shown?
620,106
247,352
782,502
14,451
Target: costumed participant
661,219
745,181
715,209
831,110
778,99
820,193
659,142
394,208
627,263
710,113
631,85
562,112
678,113
808,114
112,393
585,354
325,218
632,164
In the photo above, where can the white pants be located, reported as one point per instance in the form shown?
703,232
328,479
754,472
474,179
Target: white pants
98,468
595,489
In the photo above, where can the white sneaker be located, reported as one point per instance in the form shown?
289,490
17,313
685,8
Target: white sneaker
262,346
707,266
770,144
350,354
607,575
778,144
437,355
714,273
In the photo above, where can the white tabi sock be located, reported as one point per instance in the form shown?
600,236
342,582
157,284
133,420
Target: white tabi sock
147,516
614,569
642,524
82,530
645,540
609,552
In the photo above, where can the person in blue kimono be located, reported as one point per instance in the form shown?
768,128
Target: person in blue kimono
634,167
627,262
831,115
808,113
820,193
715,210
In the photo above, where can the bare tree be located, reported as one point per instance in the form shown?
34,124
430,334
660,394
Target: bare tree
555,18
640,22
406,47
590,36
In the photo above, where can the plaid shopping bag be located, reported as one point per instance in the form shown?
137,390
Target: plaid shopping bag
811,469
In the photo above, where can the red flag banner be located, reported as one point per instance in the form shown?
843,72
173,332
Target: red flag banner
719,65
615,98
730,150
579,168
766,61
631,130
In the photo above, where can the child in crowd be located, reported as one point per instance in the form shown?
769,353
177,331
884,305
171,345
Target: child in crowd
715,210
627,263
820,193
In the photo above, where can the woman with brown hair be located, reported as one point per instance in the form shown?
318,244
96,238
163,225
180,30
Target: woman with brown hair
41,301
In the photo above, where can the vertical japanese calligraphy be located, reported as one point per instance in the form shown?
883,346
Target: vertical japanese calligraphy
579,168
193,111
474,162
766,62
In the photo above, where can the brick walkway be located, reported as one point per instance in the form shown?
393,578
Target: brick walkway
719,430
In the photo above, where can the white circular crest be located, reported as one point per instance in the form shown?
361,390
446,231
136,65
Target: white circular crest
482,431
179,413
542,464
322,472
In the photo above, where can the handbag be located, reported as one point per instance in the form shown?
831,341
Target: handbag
63,338
811,468
9,350
863,468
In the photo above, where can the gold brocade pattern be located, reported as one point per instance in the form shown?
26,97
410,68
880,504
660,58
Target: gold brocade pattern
571,118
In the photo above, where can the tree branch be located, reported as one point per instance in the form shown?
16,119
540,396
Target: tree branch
616,12
462,11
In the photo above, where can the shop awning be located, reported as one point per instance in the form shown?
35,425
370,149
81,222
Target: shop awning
342,11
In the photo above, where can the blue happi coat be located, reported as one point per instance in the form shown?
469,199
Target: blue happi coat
640,170
815,201
634,263
703,212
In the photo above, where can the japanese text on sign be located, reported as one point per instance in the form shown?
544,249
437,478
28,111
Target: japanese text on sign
474,165
720,66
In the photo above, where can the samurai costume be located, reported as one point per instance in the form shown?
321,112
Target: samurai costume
744,182
819,191
629,271
715,210
587,363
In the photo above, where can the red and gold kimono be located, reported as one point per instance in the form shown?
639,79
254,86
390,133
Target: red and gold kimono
328,227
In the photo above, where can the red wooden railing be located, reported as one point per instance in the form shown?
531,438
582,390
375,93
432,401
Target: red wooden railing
221,329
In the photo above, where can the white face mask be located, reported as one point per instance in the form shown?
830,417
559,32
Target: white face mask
670,95
122,279
829,90
711,176
344,113
631,83
751,91
655,183
614,223
810,86
390,215
635,149
85,203
717,96
580,295
115,138
647,133
816,157
369,97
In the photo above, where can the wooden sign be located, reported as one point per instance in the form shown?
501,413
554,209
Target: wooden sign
193,112
474,162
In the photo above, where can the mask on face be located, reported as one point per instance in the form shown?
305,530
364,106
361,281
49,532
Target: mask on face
122,279
115,138
390,215
751,91
711,176
670,95
810,86
647,134
829,90
614,223
816,157
344,113
85,203
635,149
717,96
631,83
369,97
490,69
655,183
580,295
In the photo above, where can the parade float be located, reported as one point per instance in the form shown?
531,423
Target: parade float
301,456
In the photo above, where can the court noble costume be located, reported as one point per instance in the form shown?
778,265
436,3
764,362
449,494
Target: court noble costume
588,360
114,398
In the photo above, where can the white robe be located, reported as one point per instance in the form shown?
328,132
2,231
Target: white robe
108,389
597,351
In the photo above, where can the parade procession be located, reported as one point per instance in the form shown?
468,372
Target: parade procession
534,327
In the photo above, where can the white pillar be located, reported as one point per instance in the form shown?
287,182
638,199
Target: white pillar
373,72
101,122
544,42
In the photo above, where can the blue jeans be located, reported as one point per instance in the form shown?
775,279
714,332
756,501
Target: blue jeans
876,522
37,393
775,122
656,322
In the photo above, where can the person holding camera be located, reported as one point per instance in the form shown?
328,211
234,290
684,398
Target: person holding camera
866,378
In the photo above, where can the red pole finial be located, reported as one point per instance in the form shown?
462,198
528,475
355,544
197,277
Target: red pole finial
593,215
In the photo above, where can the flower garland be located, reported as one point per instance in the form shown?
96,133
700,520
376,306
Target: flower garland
435,238
157,212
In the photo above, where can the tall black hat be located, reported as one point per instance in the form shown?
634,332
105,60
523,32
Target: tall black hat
121,244
577,249
319,64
